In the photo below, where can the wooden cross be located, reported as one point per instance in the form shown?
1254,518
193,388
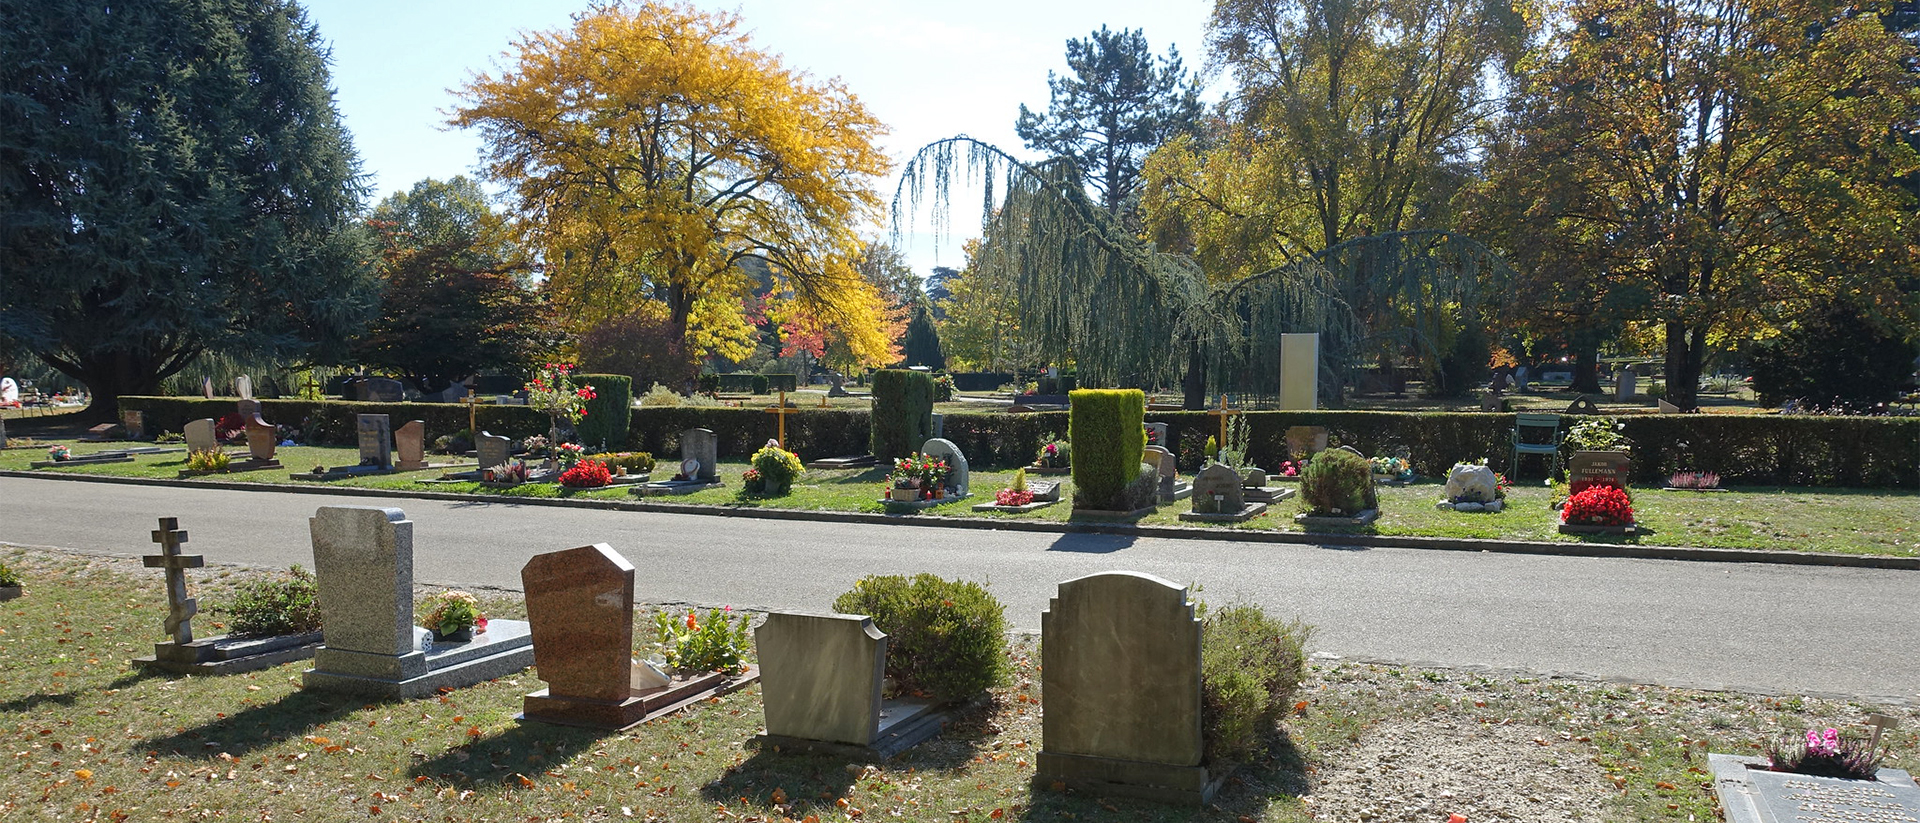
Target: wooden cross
180,607
1224,414
781,411
1880,723
472,413
310,389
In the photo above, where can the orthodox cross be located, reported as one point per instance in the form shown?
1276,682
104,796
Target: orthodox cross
781,411
1224,414
180,607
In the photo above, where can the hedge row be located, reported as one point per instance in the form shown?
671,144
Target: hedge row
1108,439
1744,450
609,413
902,412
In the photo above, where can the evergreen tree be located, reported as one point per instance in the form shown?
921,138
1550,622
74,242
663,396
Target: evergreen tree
174,180
921,346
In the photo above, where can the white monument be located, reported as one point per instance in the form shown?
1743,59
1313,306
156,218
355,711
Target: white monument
1300,371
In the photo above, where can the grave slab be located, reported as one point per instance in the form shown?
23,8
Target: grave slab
1751,794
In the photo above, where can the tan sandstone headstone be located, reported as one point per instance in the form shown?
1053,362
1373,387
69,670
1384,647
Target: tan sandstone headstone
821,676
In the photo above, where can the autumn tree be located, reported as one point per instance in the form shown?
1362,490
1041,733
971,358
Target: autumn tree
174,180
457,294
650,148
1116,104
1723,166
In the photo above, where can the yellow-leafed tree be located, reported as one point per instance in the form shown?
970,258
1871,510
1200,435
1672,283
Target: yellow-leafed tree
650,148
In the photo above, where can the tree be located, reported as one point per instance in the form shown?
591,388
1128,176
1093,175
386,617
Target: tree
457,298
174,180
1725,165
651,149
1834,358
921,345
642,346
1118,104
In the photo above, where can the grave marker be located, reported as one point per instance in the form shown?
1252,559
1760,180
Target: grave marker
1306,441
1299,371
376,440
493,450
180,607
959,477
221,654
822,681
1599,468
410,441
701,445
201,436
1749,793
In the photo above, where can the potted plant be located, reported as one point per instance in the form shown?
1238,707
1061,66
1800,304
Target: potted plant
59,453
775,469
904,481
1056,456
9,583
454,617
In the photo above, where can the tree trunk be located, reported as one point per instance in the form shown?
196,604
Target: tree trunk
1683,365
1586,371
1194,386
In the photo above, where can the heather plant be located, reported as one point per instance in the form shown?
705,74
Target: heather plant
1250,666
1825,754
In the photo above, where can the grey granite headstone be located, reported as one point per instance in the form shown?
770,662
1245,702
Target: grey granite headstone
959,477
410,442
820,676
493,450
1120,673
1625,384
701,445
380,390
939,425
1167,469
200,435
1751,794
1160,434
1217,489
376,440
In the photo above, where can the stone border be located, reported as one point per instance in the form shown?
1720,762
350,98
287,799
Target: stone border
1581,549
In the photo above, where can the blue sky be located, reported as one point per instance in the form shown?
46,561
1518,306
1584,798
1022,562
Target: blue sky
927,69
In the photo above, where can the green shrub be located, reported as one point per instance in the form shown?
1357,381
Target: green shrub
1105,427
693,646
943,389
1834,358
1250,666
289,604
782,382
947,638
902,413
760,384
1337,482
8,577
633,462
707,382
609,413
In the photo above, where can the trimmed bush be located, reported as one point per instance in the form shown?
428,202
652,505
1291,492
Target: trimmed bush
332,422
946,638
707,382
633,462
609,413
1105,427
1337,482
285,605
1250,666
902,413
782,382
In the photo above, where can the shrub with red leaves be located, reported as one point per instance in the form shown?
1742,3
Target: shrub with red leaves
1598,506
1009,497
586,474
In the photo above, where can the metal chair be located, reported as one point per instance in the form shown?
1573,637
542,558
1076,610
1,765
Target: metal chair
1548,427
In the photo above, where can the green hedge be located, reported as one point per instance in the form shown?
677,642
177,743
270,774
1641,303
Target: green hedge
333,422
1108,439
608,418
902,413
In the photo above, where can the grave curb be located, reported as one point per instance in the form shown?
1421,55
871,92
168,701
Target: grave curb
1600,550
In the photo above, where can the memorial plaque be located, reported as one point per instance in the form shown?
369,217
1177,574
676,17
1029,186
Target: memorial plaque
1755,795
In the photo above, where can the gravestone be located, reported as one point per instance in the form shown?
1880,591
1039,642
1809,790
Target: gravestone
1520,376
580,605
200,435
1668,408
380,390
262,439
1159,437
1599,468
959,477
701,445
493,450
820,676
1582,405
243,386
410,441
363,568
1300,371
1170,488
1120,672
134,421
221,654
939,425
1749,793
180,607
1625,384
206,387
1217,490
376,440
1306,441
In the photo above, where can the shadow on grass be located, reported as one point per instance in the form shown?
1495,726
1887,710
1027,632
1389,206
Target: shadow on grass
35,701
811,782
1091,543
258,727
526,748
1276,777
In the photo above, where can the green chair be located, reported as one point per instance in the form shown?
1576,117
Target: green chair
1536,434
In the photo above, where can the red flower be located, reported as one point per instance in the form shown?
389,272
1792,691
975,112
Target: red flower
1598,505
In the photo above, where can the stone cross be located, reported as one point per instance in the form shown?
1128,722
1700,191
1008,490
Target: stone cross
780,413
180,607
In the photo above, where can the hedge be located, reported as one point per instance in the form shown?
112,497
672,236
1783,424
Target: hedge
1108,439
333,422
902,413
605,426
980,381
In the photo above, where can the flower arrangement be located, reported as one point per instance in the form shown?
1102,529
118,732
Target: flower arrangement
553,392
586,474
59,453
513,471
1596,434
1055,454
1825,754
1694,480
918,472
693,646
230,426
1291,468
1153,436
774,470
208,460
1598,506
451,612
535,446
1012,497
1395,468
569,453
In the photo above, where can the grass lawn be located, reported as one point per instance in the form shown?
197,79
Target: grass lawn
1844,521
86,738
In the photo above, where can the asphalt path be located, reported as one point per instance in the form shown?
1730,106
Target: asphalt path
1741,626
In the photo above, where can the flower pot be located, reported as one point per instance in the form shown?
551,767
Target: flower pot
906,495
460,636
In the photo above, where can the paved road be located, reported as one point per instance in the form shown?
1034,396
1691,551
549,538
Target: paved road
1748,627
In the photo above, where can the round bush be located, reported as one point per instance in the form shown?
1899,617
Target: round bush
283,605
1250,666
947,638
1337,481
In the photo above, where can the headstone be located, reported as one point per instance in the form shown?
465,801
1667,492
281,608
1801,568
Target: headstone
363,568
206,387
1582,405
200,435
939,425
493,449
1599,468
1668,408
959,478
1520,378
1300,371
580,606
1749,793
376,440
1120,669
135,422
1159,437
1254,478
410,441
180,607
1472,484
243,385
821,675
380,390
247,407
1217,490
1557,376
262,439
1306,441
451,394
9,391
1166,467
701,445
1625,384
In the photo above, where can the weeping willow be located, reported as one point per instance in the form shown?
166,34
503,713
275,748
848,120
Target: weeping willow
1091,293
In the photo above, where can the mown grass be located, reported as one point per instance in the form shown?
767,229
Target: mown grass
1841,521
86,738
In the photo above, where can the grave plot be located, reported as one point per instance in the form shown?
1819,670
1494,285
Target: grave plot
221,654
699,467
821,684
937,475
1598,502
1219,497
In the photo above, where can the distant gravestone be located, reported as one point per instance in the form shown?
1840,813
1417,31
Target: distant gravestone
1582,405
9,391
134,421
200,435
363,569
821,675
1625,384
1668,408
1599,468
959,477
1158,432
580,605
376,440
1306,441
262,439
1217,489
1120,669
1300,371
700,445
939,425
243,386
492,449
1166,466
380,390
410,441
